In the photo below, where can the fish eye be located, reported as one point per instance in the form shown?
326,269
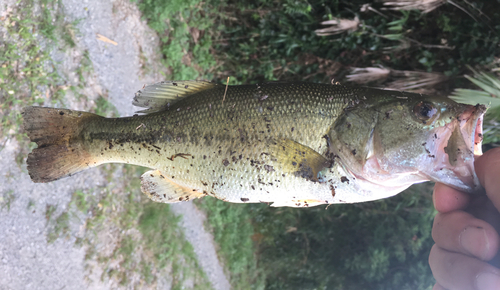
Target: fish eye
425,111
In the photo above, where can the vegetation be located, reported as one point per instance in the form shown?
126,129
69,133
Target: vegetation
377,245
182,27
27,76
234,233
274,43
165,241
133,256
6,199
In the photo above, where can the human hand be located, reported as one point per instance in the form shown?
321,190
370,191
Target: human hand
465,232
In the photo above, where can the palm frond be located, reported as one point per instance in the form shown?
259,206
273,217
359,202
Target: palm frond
474,97
490,94
487,82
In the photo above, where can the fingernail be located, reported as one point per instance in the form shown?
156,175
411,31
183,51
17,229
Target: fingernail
487,281
475,241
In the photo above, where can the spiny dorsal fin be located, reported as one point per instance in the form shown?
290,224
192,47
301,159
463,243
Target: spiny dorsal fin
157,97
158,187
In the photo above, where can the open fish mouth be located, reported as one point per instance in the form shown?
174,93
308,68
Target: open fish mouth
455,147
471,127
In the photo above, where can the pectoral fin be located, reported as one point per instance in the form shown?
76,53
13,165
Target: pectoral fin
159,188
298,159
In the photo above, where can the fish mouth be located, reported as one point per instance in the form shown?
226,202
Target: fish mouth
457,145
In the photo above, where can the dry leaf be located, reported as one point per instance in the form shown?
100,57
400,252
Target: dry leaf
105,39
424,5
338,26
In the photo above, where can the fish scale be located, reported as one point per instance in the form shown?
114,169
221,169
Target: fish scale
273,142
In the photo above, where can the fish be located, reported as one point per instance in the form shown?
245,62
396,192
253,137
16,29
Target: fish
294,144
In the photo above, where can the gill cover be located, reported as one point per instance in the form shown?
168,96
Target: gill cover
355,138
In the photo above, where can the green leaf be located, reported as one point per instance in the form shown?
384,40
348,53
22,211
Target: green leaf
474,97
396,28
393,36
484,85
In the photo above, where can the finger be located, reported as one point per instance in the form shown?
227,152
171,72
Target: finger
461,232
461,272
447,199
483,208
487,168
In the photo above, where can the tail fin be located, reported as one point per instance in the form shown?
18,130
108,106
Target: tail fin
60,151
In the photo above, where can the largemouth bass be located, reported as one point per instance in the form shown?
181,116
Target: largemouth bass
289,144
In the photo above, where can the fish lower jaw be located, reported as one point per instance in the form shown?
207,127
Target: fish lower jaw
373,191
378,189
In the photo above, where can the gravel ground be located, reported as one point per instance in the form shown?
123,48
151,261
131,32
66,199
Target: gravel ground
27,261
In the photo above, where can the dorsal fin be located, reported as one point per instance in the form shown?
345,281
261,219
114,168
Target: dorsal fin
157,97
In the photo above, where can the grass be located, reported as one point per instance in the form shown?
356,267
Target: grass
105,108
57,226
26,69
183,29
377,245
6,199
146,236
163,238
60,228
79,200
84,69
49,211
233,230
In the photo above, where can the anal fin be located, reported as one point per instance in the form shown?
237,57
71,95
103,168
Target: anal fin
159,188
